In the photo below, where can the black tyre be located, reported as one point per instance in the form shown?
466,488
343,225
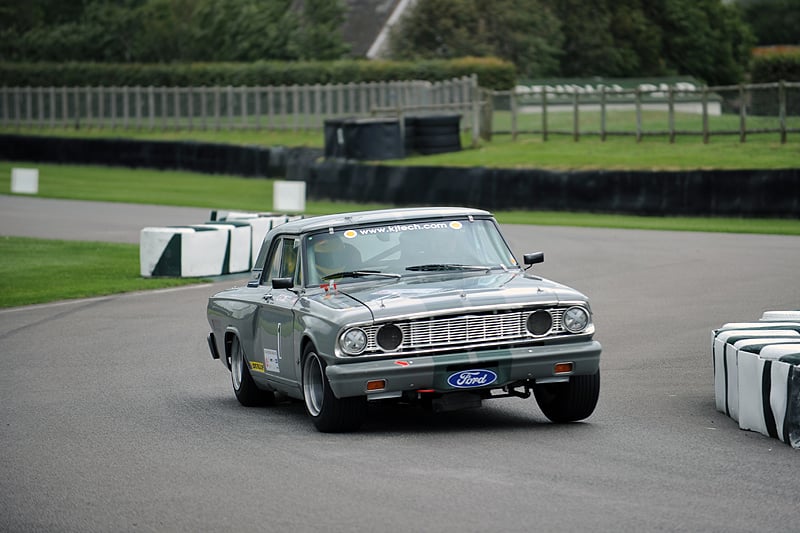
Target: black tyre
435,141
244,387
571,401
329,413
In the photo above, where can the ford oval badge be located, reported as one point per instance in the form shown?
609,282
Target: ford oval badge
467,379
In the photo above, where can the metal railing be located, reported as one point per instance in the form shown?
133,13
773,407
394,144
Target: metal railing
668,112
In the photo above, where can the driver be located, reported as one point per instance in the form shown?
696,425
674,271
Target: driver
331,255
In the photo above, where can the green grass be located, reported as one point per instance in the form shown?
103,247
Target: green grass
37,271
561,152
83,269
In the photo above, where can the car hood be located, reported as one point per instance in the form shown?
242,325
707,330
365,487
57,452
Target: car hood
442,292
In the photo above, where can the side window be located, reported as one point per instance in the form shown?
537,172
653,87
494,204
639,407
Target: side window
289,258
273,267
282,260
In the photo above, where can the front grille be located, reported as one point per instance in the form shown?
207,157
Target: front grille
494,328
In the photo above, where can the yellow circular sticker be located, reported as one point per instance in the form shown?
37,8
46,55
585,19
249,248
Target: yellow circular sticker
455,224
350,234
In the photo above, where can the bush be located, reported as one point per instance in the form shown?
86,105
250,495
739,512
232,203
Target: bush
492,73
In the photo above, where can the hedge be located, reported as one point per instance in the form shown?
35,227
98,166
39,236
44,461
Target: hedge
775,66
492,73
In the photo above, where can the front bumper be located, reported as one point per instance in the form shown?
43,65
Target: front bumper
431,372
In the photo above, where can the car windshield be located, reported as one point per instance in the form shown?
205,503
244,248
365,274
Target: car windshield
406,249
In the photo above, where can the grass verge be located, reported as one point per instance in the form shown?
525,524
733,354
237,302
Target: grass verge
114,184
37,271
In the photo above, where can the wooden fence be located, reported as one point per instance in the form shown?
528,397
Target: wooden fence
270,108
667,112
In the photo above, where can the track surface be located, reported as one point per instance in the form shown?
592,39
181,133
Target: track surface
113,417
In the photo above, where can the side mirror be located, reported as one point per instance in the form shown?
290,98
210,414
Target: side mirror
282,283
533,258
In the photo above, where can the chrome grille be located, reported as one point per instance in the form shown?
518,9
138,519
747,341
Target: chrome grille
500,328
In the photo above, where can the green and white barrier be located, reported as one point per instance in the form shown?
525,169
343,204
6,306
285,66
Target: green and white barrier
228,244
757,374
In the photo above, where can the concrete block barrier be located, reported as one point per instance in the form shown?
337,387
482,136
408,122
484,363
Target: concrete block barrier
726,373
227,244
183,251
757,375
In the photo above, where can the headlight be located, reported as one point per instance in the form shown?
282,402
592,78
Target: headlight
576,319
539,322
389,337
353,341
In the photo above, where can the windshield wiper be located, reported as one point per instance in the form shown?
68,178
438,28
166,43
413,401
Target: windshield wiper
360,274
436,267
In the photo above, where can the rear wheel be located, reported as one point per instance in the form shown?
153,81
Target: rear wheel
329,413
244,387
571,401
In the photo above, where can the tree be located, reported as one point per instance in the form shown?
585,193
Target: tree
319,32
773,21
524,32
703,38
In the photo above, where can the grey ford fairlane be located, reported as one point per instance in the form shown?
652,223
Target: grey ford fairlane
425,306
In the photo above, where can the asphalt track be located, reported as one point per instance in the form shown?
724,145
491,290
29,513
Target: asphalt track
113,417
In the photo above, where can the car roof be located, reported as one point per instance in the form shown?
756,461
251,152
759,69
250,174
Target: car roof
396,215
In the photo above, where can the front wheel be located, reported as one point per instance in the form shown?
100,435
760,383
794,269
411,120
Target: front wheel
244,387
571,401
329,413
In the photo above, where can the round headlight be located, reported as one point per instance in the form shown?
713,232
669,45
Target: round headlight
353,341
389,337
540,322
576,319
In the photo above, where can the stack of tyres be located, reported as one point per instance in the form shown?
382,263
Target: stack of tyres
432,134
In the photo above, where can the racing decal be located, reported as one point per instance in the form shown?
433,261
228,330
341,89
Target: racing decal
403,363
400,228
466,379
256,366
271,362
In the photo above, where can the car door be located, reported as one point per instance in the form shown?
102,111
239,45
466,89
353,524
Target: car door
274,342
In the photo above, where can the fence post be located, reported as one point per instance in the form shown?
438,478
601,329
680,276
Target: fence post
138,101
638,99
742,114
101,97
575,116
28,105
151,107
88,105
544,113
203,108
217,107
513,96
603,113
705,115
112,91
243,90
476,111
64,107
671,113
295,106
190,106
40,107
782,109
230,101
126,104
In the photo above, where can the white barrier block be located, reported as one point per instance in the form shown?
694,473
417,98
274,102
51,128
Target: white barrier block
755,386
25,180
188,251
239,248
779,316
289,196
726,375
